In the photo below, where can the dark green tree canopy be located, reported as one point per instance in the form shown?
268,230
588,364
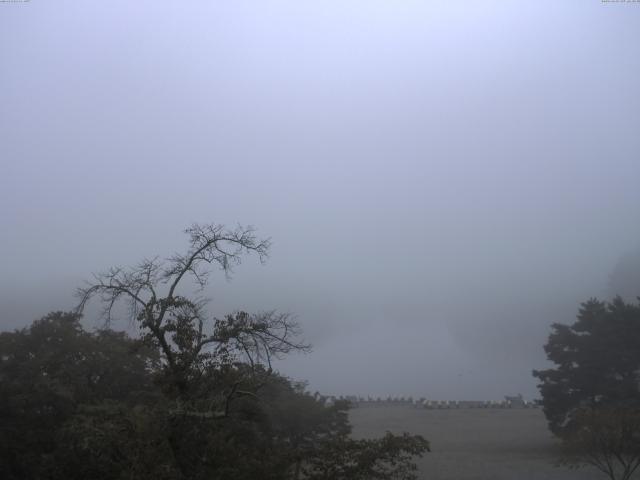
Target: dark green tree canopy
51,369
190,398
78,404
597,362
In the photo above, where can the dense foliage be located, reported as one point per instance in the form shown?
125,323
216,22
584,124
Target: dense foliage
591,398
597,361
188,398
75,404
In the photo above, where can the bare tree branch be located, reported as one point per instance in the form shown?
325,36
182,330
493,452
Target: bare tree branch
192,347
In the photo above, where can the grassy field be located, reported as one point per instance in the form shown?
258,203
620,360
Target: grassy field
475,444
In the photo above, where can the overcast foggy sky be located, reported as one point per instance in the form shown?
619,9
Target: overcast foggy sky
441,180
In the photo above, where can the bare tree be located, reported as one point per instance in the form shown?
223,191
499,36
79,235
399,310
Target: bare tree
193,348
608,438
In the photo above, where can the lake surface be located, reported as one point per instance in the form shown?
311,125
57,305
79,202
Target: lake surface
475,444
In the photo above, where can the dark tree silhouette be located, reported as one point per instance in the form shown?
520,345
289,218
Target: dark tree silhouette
193,348
223,412
591,398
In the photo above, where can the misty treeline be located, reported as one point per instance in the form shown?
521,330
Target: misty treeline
188,397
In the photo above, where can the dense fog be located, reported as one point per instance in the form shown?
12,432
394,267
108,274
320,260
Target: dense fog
441,180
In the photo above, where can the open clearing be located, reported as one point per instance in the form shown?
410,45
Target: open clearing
475,444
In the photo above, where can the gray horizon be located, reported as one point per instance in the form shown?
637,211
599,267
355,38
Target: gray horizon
441,181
